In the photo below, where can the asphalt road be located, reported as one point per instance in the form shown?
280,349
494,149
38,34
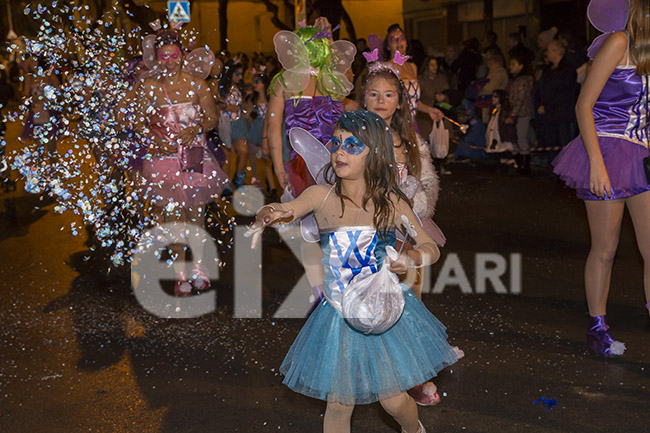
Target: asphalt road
79,353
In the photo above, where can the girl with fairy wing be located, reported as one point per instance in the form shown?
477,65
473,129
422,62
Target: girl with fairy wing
607,164
358,214
307,93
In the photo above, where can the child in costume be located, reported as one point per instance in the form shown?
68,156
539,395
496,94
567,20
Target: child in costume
231,90
257,134
395,48
520,90
605,164
357,214
384,94
500,135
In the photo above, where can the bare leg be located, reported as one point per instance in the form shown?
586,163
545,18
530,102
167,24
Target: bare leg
242,154
639,207
337,418
252,159
268,170
605,225
226,163
242,157
403,409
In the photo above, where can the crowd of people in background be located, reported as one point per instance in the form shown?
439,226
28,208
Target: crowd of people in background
512,97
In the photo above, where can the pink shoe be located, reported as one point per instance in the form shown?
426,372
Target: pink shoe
182,287
425,394
200,279
256,182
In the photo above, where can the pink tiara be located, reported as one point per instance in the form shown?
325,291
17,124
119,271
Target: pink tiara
375,67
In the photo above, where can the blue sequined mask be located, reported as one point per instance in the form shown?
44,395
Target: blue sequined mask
351,145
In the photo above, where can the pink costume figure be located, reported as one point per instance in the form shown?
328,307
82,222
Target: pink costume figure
181,174
190,177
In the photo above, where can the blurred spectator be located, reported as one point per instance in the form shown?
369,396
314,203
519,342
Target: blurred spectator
520,90
576,54
516,48
472,144
497,79
543,39
555,100
451,54
432,82
467,63
418,53
359,61
501,134
491,47
6,95
6,91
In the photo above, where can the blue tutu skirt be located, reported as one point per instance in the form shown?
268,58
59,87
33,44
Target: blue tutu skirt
239,129
256,132
623,161
329,360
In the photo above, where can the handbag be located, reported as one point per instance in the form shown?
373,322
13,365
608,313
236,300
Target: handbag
373,304
439,140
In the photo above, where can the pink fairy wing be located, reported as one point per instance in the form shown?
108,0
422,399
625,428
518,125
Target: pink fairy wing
596,44
309,229
344,56
295,81
344,52
149,51
609,15
294,58
316,155
376,43
199,62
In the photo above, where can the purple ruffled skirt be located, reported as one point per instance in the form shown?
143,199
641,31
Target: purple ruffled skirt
623,161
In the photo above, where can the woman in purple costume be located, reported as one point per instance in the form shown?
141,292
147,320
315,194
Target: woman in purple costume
317,114
605,163
310,97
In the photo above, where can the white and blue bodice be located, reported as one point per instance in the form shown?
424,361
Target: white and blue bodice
349,252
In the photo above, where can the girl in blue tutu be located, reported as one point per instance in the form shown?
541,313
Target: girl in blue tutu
605,164
357,214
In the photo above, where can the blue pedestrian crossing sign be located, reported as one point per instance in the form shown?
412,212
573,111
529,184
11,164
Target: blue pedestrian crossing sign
178,11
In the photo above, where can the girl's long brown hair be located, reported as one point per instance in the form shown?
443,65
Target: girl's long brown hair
401,121
380,174
639,30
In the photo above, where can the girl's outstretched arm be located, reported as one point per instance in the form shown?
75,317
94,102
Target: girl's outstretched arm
608,57
284,213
